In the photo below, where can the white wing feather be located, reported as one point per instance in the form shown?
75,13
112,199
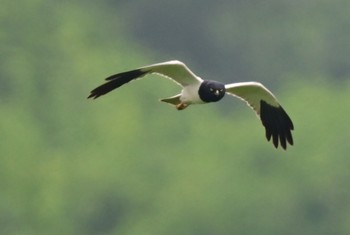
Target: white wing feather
174,70
252,93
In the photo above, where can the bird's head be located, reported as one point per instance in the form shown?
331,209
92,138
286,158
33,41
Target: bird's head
211,91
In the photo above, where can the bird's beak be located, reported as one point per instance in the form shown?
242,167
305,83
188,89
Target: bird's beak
217,92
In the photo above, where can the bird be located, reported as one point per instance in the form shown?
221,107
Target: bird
278,125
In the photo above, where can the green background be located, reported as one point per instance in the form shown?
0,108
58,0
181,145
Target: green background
127,164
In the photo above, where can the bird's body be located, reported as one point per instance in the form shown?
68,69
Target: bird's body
195,90
189,94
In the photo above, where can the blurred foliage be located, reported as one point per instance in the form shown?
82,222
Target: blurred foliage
265,40
126,164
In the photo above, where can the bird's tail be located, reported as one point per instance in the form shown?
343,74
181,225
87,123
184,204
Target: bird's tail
174,100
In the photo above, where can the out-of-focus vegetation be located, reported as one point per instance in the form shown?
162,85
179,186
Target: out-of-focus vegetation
126,164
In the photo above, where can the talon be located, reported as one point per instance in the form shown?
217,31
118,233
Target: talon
181,106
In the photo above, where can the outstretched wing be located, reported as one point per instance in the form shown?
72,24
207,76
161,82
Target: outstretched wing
276,121
174,70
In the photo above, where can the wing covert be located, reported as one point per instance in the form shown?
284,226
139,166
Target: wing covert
174,70
252,93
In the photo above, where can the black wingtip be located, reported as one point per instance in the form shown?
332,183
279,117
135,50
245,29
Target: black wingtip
93,95
103,89
116,81
277,123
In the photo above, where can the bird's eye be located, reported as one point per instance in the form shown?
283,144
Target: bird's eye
211,89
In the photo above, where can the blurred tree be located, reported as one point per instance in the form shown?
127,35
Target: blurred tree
125,164
247,40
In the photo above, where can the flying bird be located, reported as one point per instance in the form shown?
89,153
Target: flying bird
277,123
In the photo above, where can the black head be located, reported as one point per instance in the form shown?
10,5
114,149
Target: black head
211,91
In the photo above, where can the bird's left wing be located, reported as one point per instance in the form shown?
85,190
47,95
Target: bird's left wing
276,121
174,70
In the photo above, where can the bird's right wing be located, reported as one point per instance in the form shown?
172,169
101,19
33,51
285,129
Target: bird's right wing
276,121
174,70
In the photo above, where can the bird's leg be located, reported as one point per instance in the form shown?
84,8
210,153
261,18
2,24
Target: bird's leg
181,106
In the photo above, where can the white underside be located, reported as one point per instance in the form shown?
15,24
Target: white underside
189,94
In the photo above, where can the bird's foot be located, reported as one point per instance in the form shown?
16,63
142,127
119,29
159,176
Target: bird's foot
181,106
